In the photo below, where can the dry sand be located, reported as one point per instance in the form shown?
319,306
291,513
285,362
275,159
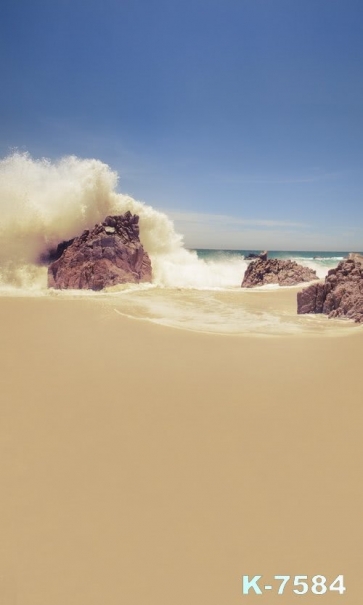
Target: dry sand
147,465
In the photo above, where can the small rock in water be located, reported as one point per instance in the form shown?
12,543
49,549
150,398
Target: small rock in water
253,256
265,271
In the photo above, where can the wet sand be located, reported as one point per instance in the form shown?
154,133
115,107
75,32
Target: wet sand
146,465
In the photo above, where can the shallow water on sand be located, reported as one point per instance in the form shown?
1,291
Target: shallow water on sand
268,310
259,312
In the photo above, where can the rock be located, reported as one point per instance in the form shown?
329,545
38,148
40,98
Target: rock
53,254
261,255
311,298
110,254
275,271
340,295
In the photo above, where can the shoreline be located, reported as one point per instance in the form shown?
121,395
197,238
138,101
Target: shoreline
264,305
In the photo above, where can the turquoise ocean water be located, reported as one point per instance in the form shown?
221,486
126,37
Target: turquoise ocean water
315,258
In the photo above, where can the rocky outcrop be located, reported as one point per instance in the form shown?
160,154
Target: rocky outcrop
110,254
341,295
275,271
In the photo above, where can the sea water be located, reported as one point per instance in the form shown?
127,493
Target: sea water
43,203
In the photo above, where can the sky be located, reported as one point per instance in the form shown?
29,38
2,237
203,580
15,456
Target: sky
241,119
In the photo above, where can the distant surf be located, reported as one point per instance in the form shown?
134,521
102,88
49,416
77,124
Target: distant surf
320,261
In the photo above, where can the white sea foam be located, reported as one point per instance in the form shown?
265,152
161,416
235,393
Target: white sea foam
233,312
320,269
182,268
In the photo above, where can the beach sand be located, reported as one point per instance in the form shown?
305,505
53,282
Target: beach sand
142,464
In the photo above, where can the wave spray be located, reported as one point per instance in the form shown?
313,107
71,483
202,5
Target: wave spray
43,203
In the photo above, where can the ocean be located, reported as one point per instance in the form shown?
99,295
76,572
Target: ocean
43,203
316,259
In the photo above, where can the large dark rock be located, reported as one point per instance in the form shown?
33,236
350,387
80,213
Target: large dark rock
262,271
341,295
110,254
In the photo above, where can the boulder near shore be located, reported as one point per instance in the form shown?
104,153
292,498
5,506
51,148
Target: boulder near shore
254,255
109,254
263,271
340,295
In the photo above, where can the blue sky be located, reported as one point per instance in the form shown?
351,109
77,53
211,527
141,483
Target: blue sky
242,119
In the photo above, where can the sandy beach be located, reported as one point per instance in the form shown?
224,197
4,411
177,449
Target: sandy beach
144,464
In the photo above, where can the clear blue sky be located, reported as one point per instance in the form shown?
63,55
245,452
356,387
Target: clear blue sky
241,118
